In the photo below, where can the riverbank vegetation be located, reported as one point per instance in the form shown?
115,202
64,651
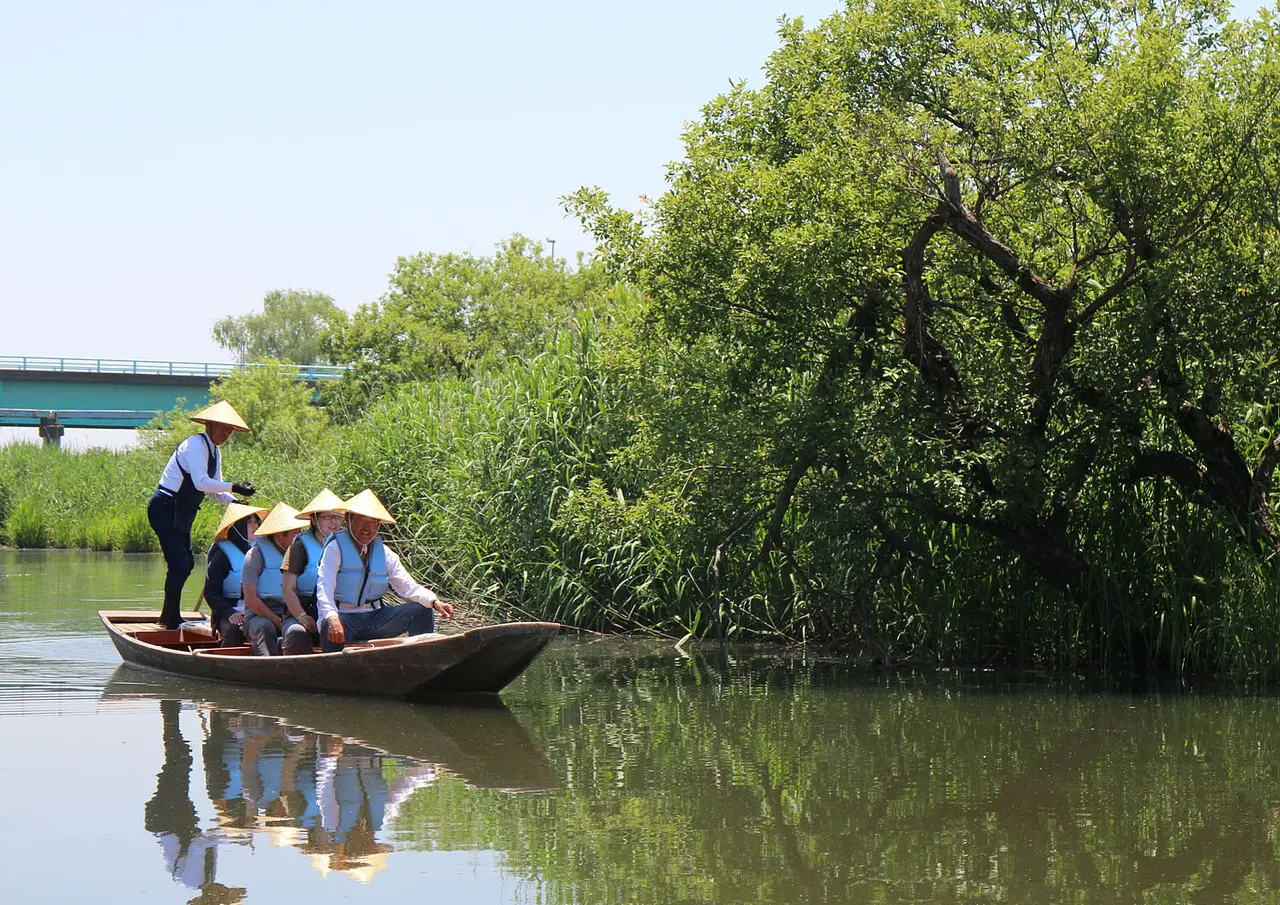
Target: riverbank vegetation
954,341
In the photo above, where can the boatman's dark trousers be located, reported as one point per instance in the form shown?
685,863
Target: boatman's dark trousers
174,530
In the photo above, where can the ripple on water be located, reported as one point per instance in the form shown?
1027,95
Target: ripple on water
53,672
34,685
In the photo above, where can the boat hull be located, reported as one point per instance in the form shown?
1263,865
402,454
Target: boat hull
483,660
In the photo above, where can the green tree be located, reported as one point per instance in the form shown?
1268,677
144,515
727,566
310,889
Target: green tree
277,406
443,313
288,329
972,310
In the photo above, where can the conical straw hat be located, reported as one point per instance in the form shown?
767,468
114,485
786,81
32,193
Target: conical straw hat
325,501
221,413
282,518
362,868
366,504
234,513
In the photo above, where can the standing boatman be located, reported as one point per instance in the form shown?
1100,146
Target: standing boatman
194,470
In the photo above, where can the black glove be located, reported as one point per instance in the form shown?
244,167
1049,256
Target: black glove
247,489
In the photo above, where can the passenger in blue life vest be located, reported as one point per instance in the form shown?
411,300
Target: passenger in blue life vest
302,562
194,470
356,569
231,542
269,620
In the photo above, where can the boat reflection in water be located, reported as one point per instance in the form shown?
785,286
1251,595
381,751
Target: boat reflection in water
324,775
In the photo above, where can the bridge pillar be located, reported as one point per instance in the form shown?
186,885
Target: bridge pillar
51,431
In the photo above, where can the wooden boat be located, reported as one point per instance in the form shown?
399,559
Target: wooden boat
481,660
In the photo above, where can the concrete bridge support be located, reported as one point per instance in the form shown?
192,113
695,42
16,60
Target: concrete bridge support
51,431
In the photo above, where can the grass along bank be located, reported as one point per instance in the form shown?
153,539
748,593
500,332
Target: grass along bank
97,499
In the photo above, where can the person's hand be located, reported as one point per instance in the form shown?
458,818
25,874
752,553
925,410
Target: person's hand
443,608
237,619
335,632
308,623
245,489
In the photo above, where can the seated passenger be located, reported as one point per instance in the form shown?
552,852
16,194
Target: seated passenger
355,571
269,619
222,572
302,561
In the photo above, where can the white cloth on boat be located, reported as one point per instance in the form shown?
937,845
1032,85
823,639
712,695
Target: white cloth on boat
397,577
192,454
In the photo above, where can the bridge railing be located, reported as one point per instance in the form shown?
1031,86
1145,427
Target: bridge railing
141,366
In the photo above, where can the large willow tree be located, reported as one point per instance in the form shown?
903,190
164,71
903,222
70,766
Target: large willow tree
963,330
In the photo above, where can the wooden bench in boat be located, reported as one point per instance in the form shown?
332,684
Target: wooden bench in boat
143,627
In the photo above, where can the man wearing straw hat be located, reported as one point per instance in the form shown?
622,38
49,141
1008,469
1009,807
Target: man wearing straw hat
194,469
224,568
356,570
302,561
263,590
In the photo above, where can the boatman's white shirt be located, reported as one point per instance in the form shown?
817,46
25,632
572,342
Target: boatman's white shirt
193,455
397,577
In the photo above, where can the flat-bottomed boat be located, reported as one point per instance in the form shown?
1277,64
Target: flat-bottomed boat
482,660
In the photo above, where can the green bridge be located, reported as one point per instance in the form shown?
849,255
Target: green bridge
52,394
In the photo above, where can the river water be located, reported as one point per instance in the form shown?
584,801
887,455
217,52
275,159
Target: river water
613,772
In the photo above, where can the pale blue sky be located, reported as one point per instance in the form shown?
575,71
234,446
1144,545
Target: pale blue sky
164,164
167,163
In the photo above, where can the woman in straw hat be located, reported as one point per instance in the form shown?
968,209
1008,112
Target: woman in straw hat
302,561
269,619
194,469
225,566
356,569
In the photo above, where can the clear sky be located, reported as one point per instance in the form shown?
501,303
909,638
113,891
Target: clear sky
164,164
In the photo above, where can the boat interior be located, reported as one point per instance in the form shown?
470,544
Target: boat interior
143,627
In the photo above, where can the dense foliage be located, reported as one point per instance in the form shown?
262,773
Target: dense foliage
270,397
970,313
444,314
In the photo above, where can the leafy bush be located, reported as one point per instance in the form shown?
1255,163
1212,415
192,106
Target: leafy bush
98,533
131,532
26,524
275,404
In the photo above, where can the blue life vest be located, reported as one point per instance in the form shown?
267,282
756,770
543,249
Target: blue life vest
358,584
235,556
307,580
270,581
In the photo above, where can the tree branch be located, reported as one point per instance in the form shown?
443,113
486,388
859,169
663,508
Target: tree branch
782,502
923,350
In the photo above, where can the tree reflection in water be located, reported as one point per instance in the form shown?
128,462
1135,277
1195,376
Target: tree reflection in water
759,779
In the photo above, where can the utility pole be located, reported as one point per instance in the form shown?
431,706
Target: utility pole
553,250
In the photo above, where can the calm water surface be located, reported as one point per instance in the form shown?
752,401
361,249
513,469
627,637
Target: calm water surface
613,773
